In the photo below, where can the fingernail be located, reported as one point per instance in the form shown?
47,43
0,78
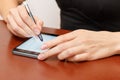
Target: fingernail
41,56
36,31
43,47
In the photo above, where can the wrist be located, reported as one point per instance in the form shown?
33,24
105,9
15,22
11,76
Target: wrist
116,36
5,6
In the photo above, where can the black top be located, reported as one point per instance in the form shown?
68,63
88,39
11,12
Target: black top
90,14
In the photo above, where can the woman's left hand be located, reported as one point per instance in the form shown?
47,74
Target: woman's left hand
82,45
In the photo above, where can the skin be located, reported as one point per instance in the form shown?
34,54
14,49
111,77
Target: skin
82,45
78,45
18,21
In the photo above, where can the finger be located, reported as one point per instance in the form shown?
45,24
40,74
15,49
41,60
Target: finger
56,50
71,52
9,27
79,57
20,23
16,34
28,20
16,28
58,40
101,53
39,23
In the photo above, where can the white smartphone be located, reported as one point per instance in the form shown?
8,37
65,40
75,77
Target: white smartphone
31,47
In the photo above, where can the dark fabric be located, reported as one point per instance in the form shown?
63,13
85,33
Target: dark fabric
90,14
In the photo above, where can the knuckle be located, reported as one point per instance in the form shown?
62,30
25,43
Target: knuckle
25,17
76,58
83,30
19,8
69,52
80,30
46,54
60,48
20,23
33,26
93,58
90,58
49,44
41,22
15,29
85,40
11,11
62,38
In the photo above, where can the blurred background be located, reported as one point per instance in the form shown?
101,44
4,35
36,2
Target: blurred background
46,10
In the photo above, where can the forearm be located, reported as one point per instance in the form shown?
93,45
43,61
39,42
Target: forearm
6,5
117,39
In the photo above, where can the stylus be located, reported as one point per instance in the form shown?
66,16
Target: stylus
31,15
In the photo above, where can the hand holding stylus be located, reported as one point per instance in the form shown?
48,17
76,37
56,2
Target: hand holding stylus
21,24
31,15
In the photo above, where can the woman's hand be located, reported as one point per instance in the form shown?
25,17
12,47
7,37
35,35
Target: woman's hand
21,24
82,45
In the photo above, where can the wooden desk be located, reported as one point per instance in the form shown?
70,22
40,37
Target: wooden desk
14,67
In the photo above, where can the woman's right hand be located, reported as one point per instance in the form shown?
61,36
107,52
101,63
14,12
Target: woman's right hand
21,24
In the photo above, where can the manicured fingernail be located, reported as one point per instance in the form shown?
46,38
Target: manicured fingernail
36,31
41,56
43,47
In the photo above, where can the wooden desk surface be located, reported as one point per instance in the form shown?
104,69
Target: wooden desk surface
14,67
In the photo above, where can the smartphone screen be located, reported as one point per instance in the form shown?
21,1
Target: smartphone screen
32,46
